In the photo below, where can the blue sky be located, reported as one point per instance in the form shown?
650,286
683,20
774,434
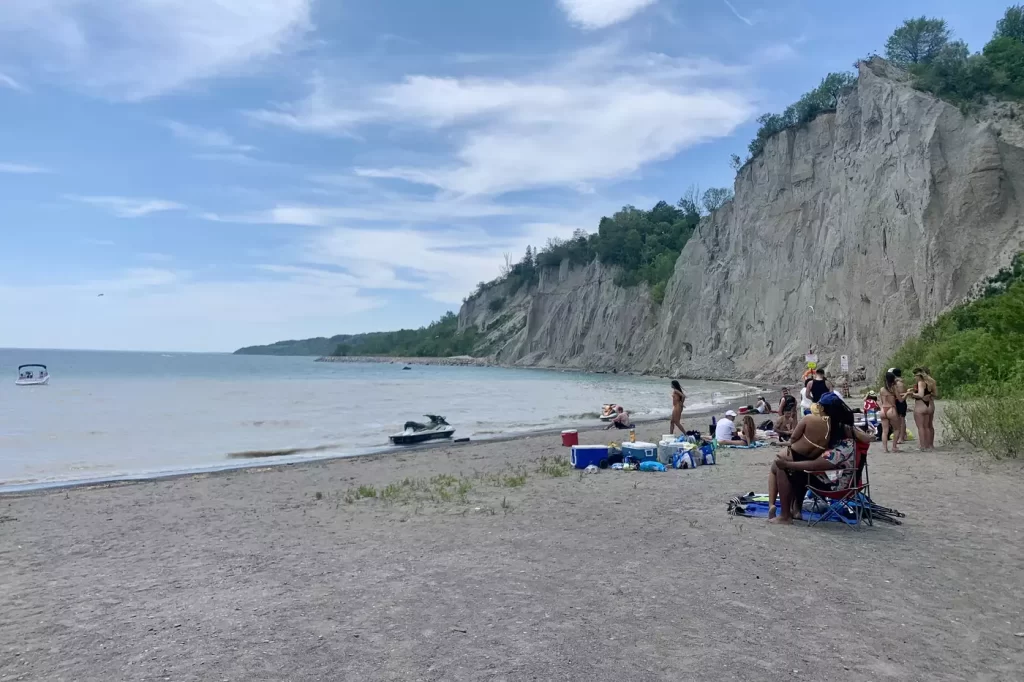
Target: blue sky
230,172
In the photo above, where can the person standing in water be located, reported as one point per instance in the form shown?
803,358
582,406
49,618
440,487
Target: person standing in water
678,403
923,394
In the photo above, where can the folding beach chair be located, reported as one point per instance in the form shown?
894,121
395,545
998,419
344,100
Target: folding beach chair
847,504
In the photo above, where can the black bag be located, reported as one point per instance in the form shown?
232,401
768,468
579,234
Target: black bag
767,425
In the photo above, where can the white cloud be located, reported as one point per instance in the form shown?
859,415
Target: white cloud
9,82
152,309
593,14
206,137
739,16
144,48
598,116
445,264
394,210
129,207
21,169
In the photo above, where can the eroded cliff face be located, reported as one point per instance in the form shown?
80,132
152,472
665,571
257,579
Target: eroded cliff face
574,317
846,235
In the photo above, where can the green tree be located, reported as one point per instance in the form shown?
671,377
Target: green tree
715,197
1012,24
917,41
735,162
1005,55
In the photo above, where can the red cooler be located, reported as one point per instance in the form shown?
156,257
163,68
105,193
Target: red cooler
570,438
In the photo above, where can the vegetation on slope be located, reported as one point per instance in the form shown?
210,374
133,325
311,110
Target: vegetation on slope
439,339
939,65
643,245
974,354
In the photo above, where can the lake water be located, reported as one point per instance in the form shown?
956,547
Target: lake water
109,415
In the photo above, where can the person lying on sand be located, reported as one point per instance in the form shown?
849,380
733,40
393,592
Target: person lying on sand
831,437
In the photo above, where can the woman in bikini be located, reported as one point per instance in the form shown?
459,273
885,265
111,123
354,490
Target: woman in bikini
748,431
838,454
890,416
923,394
678,402
807,442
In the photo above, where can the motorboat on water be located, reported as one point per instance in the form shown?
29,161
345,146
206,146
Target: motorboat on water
414,432
608,412
33,375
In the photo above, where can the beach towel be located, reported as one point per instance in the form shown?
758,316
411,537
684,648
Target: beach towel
755,505
754,445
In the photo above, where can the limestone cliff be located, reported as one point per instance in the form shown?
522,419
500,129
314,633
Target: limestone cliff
846,234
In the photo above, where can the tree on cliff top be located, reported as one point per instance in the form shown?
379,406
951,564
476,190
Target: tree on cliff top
917,41
1012,24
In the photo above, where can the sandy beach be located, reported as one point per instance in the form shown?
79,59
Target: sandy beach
483,561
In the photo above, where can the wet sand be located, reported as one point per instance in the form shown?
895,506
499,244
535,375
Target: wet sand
287,574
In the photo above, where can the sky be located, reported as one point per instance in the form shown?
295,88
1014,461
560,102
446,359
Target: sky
199,175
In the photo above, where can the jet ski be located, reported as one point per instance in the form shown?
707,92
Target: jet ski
414,432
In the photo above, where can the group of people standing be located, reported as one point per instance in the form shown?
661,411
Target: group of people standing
893,398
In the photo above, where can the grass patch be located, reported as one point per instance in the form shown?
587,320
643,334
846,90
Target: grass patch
991,423
555,467
366,491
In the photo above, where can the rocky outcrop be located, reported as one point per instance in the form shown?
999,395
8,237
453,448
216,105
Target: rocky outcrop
846,235
574,317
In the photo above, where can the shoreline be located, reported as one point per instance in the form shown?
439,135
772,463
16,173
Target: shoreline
300,460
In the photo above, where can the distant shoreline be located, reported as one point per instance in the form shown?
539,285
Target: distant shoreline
455,361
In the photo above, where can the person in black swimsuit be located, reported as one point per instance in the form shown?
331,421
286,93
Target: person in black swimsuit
923,393
817,386
901,406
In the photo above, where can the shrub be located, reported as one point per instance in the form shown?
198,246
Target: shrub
496,304
989,422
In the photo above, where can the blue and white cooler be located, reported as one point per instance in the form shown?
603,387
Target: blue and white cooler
640,451
584,455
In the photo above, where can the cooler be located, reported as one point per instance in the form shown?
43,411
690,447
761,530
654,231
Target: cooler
584,455
640,451
570,438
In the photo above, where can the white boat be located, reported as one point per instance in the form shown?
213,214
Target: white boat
33,375
414,432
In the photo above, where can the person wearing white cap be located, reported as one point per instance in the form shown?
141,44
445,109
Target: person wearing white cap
725,431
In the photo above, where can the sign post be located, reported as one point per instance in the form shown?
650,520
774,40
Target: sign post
844,364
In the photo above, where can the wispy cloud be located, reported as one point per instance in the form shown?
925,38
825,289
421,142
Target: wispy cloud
739,16
9,82
397,210
129,207
594,14
599,115
207,137
218,311
21,169
144,48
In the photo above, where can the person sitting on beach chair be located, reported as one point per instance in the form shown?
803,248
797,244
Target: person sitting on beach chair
832,437
621,420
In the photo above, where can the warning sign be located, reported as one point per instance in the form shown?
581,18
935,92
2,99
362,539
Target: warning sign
844,363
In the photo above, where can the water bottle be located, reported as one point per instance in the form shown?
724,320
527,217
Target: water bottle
632,435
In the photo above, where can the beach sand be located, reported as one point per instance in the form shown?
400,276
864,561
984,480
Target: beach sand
281,574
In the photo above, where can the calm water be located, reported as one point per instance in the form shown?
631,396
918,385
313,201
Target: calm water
116,414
